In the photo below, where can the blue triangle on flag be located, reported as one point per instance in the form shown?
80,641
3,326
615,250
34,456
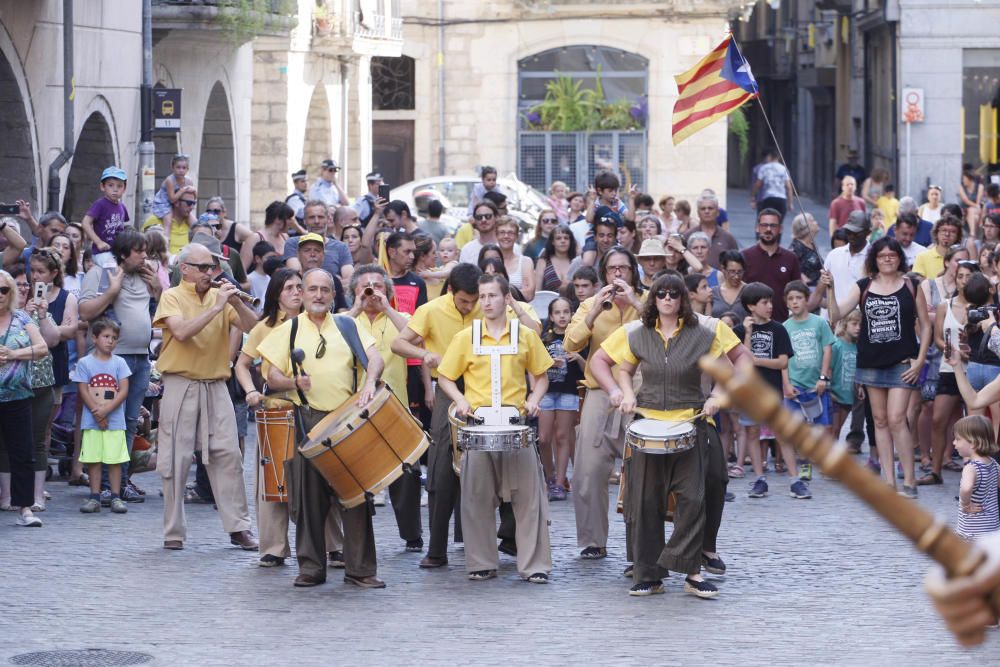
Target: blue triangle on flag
736,70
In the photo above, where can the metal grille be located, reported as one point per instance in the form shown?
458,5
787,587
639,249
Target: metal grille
575,157
88,657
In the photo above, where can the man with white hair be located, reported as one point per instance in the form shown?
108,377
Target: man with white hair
197,320
708,216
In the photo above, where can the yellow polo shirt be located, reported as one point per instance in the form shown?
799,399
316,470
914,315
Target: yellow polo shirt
459,361
251,349
579,336
438,321
617,347
204,356
331,375
466,232
179,230
383,332
929,263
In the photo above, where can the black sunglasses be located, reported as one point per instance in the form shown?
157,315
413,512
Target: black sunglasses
321,348
189,202
204,268
5,289
550,220
664,293
216,211
483,216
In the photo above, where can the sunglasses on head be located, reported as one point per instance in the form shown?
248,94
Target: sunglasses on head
664,293
968,264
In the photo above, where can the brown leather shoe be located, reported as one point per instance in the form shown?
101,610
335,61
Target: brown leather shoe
244,540
173,545
307,581
433,561
365,582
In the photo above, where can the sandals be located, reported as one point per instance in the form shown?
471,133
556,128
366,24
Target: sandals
930,479
82,480
952,466
736,471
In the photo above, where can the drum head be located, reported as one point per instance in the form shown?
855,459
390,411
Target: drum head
660,430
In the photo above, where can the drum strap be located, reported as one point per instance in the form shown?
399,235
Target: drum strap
494,352
296,368
349,330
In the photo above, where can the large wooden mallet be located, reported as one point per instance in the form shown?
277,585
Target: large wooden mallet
746,391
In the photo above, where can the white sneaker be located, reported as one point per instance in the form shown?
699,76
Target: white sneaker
380,499
29,521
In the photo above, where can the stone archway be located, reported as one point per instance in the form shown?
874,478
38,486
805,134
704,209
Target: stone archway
18,179
94,152
316,146
217,164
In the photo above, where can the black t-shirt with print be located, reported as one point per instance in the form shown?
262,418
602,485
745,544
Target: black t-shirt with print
767,341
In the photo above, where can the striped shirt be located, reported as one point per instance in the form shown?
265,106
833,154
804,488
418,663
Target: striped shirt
984,494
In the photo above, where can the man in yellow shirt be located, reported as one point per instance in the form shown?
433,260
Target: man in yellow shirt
514,476
196,320
665,345
600,437
326,381
947,232
372,292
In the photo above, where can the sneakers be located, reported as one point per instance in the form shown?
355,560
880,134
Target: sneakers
700,589
874,466
336,559
539,578
800,490
730,496
645,588
759,488
806,471
105,498
91,506
482,575
118,506
29,521
415,546
556,491
593,553
130,495
270,560
628,571
508,547
908,492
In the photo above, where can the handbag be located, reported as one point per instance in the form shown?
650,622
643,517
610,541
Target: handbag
810,405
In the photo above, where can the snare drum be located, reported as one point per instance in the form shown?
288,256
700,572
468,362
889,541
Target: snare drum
653,436
275,445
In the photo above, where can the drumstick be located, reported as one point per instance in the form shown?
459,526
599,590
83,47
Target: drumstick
750,394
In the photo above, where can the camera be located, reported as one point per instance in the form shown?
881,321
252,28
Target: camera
10,209
977,315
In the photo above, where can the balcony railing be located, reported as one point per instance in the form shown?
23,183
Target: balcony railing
244,19
377,26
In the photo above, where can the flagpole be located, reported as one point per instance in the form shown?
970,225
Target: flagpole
767,121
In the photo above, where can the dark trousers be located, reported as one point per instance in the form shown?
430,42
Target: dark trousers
404,494
309,499
862,422
41,420
15,429
651,477
716,481
779,204
443,486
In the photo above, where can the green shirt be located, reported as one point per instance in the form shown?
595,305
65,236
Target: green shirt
843,366
809,337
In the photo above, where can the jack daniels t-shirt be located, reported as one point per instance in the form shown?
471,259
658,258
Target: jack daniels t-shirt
888,326
767,341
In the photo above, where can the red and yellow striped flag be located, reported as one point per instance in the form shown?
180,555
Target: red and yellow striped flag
718,85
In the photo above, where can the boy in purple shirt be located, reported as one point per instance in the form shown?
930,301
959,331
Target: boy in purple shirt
107,216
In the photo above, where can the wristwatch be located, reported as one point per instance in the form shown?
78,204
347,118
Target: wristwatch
824,379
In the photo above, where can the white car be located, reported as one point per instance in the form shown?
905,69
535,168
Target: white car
523,201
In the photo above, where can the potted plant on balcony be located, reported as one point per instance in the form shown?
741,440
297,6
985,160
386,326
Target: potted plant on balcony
568,107
322,20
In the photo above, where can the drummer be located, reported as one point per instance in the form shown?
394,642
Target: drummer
665,345
324,383
600,437
514,476
283,299
372,293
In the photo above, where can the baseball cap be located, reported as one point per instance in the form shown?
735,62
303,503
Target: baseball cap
210,242
606,213
113,172
312,237
300,175
651,248
209,218
857,221
328,164
374,176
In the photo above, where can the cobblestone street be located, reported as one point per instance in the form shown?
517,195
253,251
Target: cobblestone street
822,581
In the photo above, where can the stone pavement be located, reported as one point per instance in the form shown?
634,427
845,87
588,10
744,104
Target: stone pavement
822,581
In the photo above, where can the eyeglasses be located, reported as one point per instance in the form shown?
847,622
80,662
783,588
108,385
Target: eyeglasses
321,348
735,272
204,268
483,216
506,232
622,268
664,293
544,220
768,225
5,289
23,286
189,202
216,211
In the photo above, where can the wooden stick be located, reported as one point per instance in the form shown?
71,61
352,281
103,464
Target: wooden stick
751,395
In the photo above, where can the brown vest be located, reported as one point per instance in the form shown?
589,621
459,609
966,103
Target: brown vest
671,378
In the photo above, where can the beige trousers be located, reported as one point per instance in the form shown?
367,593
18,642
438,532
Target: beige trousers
599,442
515,477
199,413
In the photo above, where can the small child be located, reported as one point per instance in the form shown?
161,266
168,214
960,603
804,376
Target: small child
488,178
584,286
768,343
174,186
889,205
978,512
844,356
807,377
259,280
700,292
560,405
447,256
102,379
107,216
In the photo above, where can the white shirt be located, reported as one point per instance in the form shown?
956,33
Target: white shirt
580,230
912,251
846,268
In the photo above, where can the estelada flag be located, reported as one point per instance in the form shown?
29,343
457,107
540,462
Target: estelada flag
718,85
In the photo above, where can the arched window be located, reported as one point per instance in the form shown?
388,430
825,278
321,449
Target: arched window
581,109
